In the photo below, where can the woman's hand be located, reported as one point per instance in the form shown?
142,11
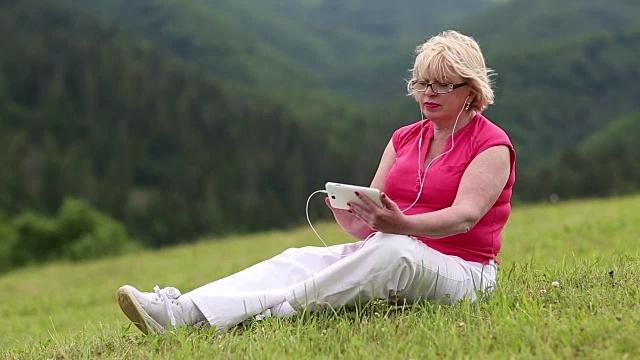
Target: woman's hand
388,218
349,222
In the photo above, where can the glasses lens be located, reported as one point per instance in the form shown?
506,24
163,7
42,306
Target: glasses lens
419,85
441,88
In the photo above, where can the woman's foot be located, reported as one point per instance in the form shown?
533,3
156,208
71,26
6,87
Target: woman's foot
152,313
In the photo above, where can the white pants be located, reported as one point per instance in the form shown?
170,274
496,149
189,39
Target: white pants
387,266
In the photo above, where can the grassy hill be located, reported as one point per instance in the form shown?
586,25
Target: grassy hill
588,247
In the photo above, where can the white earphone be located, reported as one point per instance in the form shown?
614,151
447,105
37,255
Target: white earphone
421,177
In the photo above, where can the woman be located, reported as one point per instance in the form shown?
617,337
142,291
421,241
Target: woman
446,184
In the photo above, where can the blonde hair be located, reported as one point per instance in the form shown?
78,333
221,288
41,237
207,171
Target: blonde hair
452,53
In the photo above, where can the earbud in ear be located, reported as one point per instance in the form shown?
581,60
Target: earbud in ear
467,105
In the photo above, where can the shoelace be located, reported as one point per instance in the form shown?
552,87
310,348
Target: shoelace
162,293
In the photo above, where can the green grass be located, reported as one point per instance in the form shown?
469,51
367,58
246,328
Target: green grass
69,311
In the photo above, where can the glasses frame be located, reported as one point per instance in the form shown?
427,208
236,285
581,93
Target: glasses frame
430,85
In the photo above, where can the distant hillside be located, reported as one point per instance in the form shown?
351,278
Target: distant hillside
184,118
372,42
604,164
379,18
355,47
91,111
521,24
359,48
555,94
566,69
301,51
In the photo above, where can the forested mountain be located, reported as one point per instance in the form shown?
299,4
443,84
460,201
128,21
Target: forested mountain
604,164
185,118
364,48
522,24
554,95
372,42
361,48
401,19
90,111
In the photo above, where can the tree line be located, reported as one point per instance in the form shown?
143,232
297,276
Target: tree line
102,115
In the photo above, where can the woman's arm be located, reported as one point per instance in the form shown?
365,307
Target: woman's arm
386,162
348,221
481,184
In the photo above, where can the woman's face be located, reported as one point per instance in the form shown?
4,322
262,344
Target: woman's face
438,106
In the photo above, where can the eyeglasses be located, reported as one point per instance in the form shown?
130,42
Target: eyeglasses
437,87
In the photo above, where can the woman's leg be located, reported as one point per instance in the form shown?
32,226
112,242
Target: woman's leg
387,266
263,287
392,267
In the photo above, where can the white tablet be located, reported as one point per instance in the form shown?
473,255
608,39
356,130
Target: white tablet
341,194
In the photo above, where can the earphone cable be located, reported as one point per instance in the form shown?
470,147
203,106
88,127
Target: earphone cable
318,235
423,177
309,220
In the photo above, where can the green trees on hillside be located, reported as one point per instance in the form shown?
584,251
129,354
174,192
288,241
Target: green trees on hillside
605,164
552,97
77,232
354,47
548,55
524,24
93,112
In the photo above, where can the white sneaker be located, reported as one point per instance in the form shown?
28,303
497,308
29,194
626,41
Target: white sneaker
152,312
